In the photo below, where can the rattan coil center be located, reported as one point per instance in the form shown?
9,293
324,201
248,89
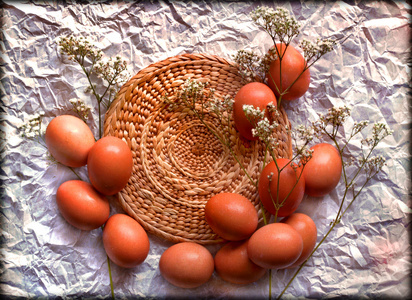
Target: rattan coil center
178,163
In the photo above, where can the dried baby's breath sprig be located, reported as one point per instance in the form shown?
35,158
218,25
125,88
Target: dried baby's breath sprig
79,50
252,66
253,114
365,166
331,122
194,95
313,51
222,107
32,129
301,137
279,24
282,28
112,72
264,130
379,132
80,108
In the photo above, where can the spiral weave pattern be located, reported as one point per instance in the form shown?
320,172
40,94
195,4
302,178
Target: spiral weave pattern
178,162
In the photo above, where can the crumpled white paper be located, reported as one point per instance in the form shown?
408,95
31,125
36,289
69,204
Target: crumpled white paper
367,255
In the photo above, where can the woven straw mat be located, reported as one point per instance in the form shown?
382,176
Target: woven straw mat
178,163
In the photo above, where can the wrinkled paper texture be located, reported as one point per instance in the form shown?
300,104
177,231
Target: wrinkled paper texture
42,255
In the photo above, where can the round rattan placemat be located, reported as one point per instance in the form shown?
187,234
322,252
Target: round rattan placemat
178,163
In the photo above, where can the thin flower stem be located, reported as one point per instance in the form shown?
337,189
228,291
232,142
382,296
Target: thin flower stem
110,277
356,195
75,173
334,223
270,284
303,264
340,212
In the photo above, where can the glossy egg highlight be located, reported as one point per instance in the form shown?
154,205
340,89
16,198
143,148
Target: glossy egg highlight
110,165
323,171
232,216
125,241
186,265
69,140
275,246
81,205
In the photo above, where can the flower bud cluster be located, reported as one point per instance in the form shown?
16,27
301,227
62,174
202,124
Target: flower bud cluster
380,131
112,70
359,126
335,117
312,51
32,128
263,128
374,164
79,49
80,108
252,66
279,24
219,107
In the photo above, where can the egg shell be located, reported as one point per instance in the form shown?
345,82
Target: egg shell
186,265
232,216
306,227
232,264
286,187
110,165
125,241
69,140
292,65
323,171
275,246
81,205
257,94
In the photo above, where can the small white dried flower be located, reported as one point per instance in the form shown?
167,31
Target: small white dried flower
374,164
80,108
350,161
264,131
254,67
303,133
359,126
219,107
335,118
380,131
312,51
32,128
305,155
253,114
279,24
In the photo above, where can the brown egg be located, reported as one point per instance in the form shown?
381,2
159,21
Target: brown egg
305,226
275,246
81,205
186,265
125,241
232,264
69,140
110,165
231,216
